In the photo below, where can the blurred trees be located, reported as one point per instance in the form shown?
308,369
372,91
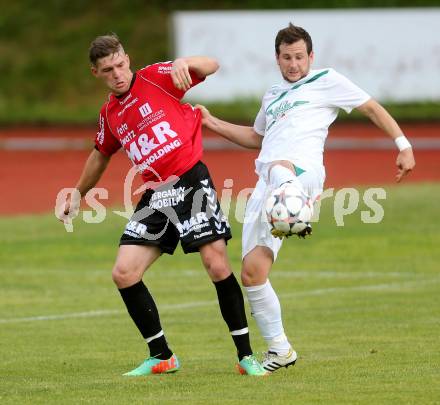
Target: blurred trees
44,69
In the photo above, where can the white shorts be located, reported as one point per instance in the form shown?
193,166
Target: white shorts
256,229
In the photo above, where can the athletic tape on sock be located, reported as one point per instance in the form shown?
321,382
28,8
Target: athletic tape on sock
157,335
240,332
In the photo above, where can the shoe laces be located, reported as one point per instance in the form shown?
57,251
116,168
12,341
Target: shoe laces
268,356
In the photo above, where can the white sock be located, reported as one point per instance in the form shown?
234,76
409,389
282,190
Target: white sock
280,174
266,309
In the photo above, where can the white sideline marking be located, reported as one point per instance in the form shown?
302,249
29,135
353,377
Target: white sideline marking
88,314
278,273
340,274
195,304
284,273
98,313
376,287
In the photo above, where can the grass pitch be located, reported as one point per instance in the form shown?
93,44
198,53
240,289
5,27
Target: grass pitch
360,303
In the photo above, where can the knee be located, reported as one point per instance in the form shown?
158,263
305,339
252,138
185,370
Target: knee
256,266
215,260
253,274
248,276
123,276
217,268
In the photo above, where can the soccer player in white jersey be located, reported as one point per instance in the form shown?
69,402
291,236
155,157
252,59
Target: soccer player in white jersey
291,128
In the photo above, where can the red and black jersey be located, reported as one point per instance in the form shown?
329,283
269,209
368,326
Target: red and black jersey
161,136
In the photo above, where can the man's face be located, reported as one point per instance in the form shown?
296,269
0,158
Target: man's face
115,71
294,61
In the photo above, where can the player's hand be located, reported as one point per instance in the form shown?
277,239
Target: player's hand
69,210
405,163
206,115
180,74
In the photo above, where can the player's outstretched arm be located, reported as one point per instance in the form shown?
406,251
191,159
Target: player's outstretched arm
202,66
239,134
405,159
92,172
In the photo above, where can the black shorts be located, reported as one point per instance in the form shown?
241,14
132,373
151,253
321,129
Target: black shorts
186,209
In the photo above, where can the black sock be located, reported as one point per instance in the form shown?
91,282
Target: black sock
231,303
143,311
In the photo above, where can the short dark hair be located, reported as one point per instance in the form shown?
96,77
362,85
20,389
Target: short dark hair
293,34
103,46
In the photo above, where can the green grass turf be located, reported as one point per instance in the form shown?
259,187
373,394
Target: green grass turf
360,302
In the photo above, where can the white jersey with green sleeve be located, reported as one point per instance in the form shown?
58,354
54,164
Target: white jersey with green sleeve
294,117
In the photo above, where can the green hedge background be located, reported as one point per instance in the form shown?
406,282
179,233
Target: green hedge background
44,70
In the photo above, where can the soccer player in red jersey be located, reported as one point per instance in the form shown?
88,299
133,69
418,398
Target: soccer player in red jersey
162,137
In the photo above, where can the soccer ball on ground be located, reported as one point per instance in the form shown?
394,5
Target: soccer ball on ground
289,211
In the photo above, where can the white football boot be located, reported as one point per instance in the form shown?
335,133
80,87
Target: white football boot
273,361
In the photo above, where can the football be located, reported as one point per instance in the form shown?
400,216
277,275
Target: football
289,210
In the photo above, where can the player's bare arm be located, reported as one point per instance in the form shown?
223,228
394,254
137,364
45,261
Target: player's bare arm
92,172
241,135
380,117
202,66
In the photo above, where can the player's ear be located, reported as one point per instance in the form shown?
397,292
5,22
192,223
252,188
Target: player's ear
128,59
311,56
94,70
277,57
